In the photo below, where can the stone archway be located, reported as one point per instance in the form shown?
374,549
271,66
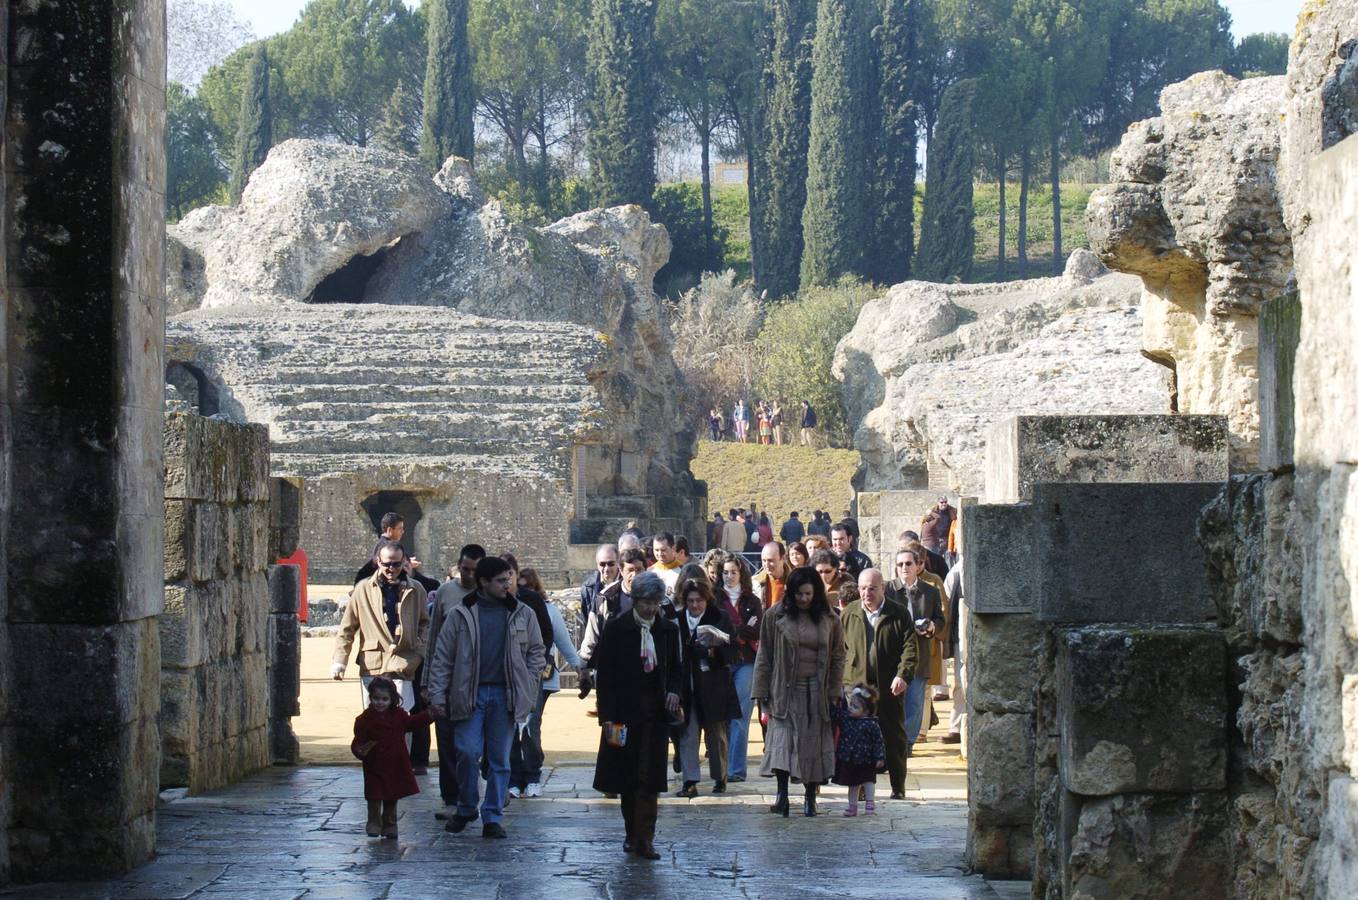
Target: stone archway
194,387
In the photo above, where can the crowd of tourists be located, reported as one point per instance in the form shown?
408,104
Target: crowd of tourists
764,424
831,655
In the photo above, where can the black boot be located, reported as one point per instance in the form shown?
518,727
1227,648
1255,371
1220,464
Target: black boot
780,805
810,809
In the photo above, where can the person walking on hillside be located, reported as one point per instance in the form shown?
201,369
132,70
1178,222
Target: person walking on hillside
639,680
714,424
881,651
776,421
765,424
808,425
798,672
792,530
740,419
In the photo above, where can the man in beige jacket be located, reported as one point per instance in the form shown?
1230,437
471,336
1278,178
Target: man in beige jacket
388,616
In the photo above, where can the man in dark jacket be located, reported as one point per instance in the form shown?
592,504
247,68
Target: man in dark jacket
792,530
605,573
709,693
843,535
881,651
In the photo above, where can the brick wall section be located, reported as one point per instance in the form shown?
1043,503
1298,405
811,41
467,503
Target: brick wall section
214,631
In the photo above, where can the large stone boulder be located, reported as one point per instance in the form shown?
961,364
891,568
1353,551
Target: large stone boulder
1193,210
308,210
929,368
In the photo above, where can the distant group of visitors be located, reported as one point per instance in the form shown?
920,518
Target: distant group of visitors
680,651
768,423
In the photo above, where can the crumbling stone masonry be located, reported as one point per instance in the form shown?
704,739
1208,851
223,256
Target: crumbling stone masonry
214,630
285,635
1047,557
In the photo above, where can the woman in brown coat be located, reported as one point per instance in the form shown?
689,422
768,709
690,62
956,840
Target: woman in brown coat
797,674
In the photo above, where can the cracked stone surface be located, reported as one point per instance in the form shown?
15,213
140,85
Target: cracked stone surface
292,833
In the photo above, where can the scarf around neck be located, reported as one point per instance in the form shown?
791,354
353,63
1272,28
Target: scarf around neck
648,657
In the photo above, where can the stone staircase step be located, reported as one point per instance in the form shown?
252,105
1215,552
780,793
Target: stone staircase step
395,409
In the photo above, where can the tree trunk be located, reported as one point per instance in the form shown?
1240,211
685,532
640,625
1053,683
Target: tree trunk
544,178
706,138
1025,173
1004,172
1058,261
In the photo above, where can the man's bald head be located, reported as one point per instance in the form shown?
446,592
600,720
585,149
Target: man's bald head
627,542
871,588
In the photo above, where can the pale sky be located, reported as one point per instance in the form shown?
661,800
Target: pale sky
1249,16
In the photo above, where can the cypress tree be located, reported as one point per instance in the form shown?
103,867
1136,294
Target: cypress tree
254,128
622,101
394,133
449,100
835,221
786,125
949,236
892,239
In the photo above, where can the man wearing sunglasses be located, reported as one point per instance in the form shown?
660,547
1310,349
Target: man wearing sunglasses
388,616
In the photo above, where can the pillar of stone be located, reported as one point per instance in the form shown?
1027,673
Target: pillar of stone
84,181
1058,486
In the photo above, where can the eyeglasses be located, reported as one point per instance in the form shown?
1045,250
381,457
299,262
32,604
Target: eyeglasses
608,564
905,564
393,564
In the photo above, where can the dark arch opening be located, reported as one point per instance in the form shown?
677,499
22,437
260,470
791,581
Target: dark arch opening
404,504
349,283
195,387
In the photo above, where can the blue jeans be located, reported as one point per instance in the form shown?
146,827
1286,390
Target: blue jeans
914,708
739,729
489,730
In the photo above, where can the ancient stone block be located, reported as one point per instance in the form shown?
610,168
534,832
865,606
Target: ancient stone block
177,540
285,588
183,641
112,669
1026,450
1000,563
1148,846
204,541
1141,709
1010,646
1122,552
283,746
999,768
1279,335
285,661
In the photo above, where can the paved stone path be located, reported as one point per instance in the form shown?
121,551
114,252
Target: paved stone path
291,833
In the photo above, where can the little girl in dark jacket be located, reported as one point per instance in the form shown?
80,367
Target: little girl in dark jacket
380,741
860,752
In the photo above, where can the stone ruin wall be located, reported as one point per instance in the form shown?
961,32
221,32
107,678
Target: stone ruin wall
929,368
331,240
1238,208
80,434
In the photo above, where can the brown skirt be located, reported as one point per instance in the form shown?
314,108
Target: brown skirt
803,743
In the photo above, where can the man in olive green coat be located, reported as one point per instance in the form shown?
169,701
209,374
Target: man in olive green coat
881,650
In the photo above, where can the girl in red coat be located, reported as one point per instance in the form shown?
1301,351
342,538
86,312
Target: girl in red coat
380,741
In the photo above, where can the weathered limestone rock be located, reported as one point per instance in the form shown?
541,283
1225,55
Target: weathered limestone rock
544,373
1000,809
1026,450
1144,846
1141,710
309,209
1086,573
929,368
1194,211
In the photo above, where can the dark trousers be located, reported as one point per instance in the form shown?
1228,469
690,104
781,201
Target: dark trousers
419,738
640,807
447,762
891,718
526,753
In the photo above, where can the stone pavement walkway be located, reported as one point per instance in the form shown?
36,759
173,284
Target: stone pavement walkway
291,833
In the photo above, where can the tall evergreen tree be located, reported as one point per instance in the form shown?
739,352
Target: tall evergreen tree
449,100
892,238
622,104
836,219
398,130
786,109
949,236
254,128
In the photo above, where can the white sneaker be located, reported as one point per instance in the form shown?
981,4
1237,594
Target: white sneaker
534,790
515,793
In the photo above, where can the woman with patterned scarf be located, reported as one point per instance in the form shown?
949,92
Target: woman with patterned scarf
638,680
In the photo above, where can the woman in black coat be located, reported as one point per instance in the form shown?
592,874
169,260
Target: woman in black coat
637,677
709,693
